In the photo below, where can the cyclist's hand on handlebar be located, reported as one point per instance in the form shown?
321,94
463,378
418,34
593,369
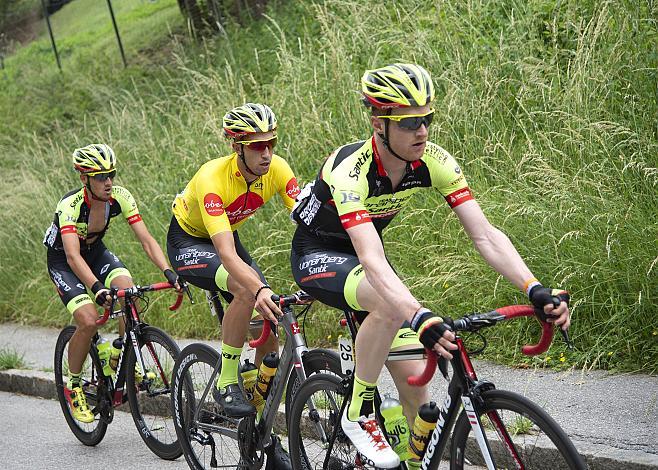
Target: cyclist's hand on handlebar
434,333
266,306
554,303
173,279
102,295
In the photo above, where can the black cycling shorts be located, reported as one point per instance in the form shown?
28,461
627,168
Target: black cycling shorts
196,260
332,277
105,265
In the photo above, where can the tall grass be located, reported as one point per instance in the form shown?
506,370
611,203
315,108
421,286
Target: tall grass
550,109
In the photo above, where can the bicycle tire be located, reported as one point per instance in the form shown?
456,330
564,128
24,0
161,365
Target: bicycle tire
192,370
315,361
553,451
90,434
150,400
305,454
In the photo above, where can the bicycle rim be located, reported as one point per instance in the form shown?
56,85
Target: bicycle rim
150,397
92,433
520,435
310,431
201,446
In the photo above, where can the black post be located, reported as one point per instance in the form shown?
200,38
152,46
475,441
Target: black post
116,30
50,31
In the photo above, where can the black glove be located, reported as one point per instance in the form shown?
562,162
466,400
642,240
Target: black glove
172,277
541,296
430,327
100,292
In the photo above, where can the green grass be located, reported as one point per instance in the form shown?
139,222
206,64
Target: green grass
10,359
549,108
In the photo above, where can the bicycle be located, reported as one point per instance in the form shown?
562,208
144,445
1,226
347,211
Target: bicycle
143,376
496,429
206,434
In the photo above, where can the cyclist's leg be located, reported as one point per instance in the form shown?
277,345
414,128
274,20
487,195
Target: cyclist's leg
271,344
74,296
410,397
336,278
196,260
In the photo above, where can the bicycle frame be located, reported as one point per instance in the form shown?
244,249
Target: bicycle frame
133,325
464,388
291,355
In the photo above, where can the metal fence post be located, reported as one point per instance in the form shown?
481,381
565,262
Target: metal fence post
50,31
116,30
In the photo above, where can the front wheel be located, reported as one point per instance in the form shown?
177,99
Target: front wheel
520,434
313,429
210,440
93,385
149,391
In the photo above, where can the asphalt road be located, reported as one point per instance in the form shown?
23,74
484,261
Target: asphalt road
34,435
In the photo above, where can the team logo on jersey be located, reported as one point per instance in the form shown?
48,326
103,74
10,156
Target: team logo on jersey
213,204
244,206
292,188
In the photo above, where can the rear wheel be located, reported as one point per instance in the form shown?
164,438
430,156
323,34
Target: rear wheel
315,361
149,391
520,435
93,385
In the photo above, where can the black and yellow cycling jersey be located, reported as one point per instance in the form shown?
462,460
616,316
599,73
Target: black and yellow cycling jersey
72,216
218,199
353,188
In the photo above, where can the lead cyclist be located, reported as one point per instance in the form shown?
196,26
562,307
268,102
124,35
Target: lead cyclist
338,256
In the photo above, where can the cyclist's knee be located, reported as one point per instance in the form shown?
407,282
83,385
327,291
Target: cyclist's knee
386,320
85,319
242,296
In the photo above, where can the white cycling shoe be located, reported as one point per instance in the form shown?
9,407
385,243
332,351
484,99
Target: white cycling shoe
370,442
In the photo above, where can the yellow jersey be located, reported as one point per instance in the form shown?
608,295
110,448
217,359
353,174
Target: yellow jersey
218,199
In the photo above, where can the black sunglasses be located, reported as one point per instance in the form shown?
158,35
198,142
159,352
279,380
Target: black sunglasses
103,176
411,123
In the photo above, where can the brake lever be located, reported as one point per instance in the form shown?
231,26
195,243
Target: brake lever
187,290
564,333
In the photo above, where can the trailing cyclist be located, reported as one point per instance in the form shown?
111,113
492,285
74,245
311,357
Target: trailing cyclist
77,256
204,247
338,255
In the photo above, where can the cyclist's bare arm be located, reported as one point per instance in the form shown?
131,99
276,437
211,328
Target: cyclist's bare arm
383,279
499,253
76,262
244,275
151,247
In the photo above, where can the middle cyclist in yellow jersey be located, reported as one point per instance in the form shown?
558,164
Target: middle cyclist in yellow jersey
204,247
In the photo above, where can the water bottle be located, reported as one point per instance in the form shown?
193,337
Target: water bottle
104,352
115,352
249,374
424,424
265,373
396,426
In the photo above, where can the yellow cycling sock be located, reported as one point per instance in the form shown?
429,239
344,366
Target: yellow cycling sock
363,396
230,363
74,379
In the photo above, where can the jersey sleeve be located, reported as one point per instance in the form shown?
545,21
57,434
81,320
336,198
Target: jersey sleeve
127,203
447,176
211,205
348,185
288,188
68,210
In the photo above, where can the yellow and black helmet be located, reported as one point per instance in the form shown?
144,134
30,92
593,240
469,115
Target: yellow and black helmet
397,86
248,119
94,158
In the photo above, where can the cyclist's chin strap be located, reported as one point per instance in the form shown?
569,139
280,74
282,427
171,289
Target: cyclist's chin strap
387,144
88,188
244,161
